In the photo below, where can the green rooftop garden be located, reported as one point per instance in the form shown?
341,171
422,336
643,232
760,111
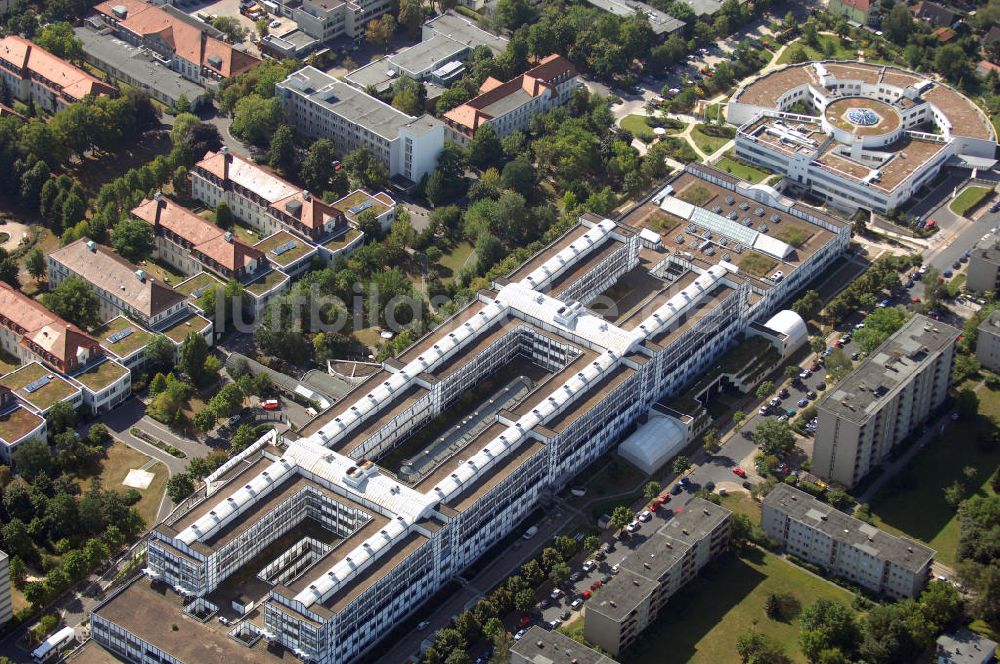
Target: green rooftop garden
343,240
359,197
17,424
756,264
98,377
126,346
287,257
54,391
199,282
267,283
793,235
180,331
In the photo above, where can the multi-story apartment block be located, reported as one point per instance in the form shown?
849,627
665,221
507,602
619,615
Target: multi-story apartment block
321,106
324,20
18,424
6,605
885,399
988,342
509,106
810,529
121,287
965,647
540,646
682,543
336,533
663,24
194,49
32,74
984,266
857,135
31,333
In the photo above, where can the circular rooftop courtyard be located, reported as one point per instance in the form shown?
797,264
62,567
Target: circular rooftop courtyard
862,116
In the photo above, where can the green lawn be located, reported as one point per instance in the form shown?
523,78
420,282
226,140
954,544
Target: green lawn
756,264
707,144
969,199
792,234
638,125
919,510
839,52
456,258
701,623
741,169
697,195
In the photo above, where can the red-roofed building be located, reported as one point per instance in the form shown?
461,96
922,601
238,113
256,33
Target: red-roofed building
31,73
944,34
195,50
509,106
858,11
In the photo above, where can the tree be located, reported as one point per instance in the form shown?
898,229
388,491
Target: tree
231,27
954,493
179,487
710,440
651,490
680,464
899,24
484,148
512,14
281,154
894,633
837,365
967,404
256,119
32,459
317,168
754,648
381,31
193,353
36,264
774,438
827,624
411,14
133,239
161,353
365,169
559,574
74,299
227,401
244,437
61,417
621,517
952,62
60,40
764,389
940,604
205,419
879,325
808,305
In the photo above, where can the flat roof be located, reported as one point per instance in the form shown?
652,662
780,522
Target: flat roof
661,22
843,528
860,395
56,389
466,32
17,423
542,646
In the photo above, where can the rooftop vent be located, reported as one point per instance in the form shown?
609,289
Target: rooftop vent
92,246
140,275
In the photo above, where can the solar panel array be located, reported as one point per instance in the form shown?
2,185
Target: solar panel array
37,384
121,334
282,248
361,207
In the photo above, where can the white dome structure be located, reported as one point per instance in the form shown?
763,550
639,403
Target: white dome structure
654,443
791,327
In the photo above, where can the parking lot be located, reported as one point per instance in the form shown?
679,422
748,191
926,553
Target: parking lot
232,8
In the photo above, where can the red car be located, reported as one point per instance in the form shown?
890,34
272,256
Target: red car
815,366
585,594
654,507
524,621
915,300
739,472
271,404
595,585
838,344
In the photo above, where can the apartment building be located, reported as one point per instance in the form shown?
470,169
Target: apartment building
808,528
663,24
121,287
18,424
857,135
964,646
338,532
509,106
541,646
884,400
984,266
684,541
321,106
988,342
325,20
190,47
32,74
6,605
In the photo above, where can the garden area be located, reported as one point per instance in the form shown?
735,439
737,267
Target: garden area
913,504
756,264
711,138
830,47
731,164
728,599
969,199
114,468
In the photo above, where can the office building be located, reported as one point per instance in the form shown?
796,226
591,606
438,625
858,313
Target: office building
857,135
6,605
542,646
320,106
121,287
965,647
682,542
19,423
190,47
988,342
509,106
884,400
137,67
33,75
335,533
809,529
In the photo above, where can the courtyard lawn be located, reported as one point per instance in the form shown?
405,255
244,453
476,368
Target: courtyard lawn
639,126
739,502
915,506
115,466
969,199
741,169
840,52
701,623
454,260
707,144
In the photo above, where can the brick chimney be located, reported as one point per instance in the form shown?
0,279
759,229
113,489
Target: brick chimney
160,204
226,158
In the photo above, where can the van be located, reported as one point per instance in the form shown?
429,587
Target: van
530,532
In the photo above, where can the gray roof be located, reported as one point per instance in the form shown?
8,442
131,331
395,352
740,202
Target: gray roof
966,647
990,324
464,31
134,63
662,24
893,364
654,554
354,105
800,506
541,646
703,7
416,61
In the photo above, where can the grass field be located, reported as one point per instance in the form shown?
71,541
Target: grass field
969,199
122,458
455,259
919,510
740,169
701,623
839,52
707,144
639,127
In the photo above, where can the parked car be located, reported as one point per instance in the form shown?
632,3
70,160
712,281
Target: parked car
632,527
524,621
783,393
783,417
520,634
271,404
820,387
556,594
810,394
646,515
802,403
577,603
589,565
545,603
574,577
805,374
616,568
739,472
763,411
554,623
422,625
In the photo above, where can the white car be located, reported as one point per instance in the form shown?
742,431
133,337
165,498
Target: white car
556,594
274,24
423,625
646,515
555,623
632,527
589,565
520,634
615,568
577,603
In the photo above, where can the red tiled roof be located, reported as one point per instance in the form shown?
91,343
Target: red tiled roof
861,5
29,58
40,329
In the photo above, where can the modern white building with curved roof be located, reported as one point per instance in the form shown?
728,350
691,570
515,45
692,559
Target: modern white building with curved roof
858,135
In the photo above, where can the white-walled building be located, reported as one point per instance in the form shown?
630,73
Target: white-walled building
320,106
31,74
333,550
844,546
857,134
